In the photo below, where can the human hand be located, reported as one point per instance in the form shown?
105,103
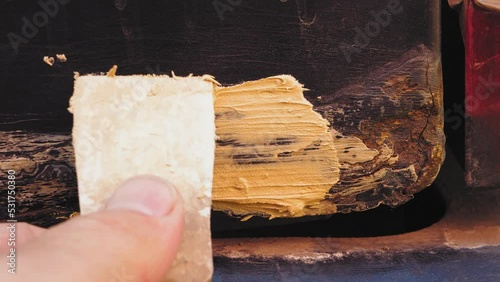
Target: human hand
134,238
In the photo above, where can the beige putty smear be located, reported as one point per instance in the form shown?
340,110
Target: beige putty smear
275,155
132,125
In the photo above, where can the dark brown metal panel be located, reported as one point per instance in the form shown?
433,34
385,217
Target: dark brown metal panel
378,62
255,39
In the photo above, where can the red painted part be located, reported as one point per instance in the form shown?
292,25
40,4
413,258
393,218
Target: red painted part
482,60
482,41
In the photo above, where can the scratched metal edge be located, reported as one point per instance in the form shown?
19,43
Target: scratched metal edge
433,263
349,257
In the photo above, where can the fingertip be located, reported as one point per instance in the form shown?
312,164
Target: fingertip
146,194
139,230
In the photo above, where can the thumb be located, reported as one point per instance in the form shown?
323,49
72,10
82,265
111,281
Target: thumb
135,238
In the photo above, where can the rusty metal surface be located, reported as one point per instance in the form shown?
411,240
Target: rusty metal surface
378,61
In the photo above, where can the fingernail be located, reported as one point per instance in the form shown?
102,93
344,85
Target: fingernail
149,195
